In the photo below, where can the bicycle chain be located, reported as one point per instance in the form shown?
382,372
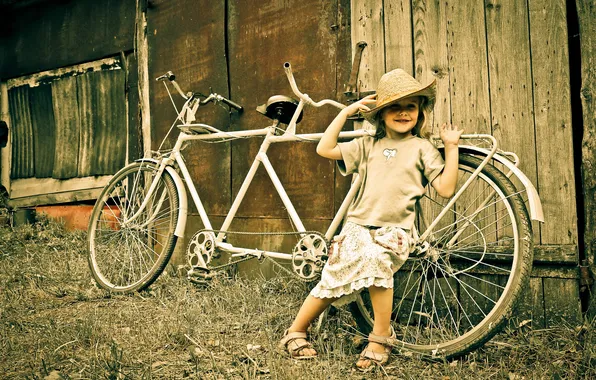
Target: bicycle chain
292,273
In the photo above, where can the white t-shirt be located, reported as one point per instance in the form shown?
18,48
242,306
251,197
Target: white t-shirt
394,175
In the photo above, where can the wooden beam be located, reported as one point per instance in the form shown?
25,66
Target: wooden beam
56,198
556,254
552,112
587,33
142,55
5,153
367,25
431,58
29,187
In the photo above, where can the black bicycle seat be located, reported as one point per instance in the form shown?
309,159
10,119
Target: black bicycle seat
281,108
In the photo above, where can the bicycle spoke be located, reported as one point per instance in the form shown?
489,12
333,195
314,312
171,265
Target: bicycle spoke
126,253
458,283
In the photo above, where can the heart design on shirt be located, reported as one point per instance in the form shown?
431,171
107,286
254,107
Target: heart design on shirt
389,153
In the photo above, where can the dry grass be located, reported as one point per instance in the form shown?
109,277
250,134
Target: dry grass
54,323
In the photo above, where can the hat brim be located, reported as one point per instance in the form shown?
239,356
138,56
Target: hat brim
429,92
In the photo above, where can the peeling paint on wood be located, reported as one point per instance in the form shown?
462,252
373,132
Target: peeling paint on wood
47,77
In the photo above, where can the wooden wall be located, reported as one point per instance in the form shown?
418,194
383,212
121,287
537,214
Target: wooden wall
502,67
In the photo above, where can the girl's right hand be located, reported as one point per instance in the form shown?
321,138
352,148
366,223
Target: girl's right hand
361,105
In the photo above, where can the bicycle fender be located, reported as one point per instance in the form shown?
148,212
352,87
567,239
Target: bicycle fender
182,198
533,196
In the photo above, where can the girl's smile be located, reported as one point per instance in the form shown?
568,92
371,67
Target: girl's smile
401,117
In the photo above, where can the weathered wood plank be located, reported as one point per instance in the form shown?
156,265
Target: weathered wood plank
367,25
556,254
399,49
587,34
561,302
37,186
22,132
66,114
431,56
552,110
254,28
189,40
46,35
531,305
134,149
55,198
344,69
43,124
511,80
556,272
468,66
5,152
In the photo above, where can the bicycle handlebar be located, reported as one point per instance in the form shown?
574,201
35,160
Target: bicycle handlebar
229,103
305,97
169,76
212,97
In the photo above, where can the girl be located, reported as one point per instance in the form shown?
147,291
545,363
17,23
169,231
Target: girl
395,164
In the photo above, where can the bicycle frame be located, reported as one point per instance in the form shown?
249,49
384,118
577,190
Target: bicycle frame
186,117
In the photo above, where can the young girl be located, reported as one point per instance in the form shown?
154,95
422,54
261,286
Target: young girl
395,164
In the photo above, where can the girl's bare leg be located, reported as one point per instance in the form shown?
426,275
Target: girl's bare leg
311,309
382,303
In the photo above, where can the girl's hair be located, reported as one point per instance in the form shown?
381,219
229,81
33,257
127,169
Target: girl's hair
420,129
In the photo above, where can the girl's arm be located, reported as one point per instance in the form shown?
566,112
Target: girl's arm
445,182
327,146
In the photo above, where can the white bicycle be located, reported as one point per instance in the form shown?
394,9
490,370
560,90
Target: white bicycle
470,259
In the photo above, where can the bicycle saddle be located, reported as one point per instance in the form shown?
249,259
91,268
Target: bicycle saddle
281,108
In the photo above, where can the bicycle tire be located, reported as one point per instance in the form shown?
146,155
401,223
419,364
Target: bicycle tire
443,309
129,257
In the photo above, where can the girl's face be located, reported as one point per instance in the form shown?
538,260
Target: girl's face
401,117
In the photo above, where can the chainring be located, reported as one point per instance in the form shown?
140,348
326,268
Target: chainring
309,256
201,248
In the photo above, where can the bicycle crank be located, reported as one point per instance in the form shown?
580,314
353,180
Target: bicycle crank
309,256
201,248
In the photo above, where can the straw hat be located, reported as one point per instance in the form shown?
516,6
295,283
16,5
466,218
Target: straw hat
396,85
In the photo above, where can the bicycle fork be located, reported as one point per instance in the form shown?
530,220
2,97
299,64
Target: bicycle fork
147,197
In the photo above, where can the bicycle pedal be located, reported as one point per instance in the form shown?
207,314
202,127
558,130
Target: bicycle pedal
197,272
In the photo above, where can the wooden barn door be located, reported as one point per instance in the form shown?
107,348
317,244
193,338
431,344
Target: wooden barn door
238,49
502,68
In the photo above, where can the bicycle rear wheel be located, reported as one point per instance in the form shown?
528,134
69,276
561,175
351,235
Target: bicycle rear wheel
459,294
125,257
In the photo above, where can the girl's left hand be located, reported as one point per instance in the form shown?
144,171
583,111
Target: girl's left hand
450,134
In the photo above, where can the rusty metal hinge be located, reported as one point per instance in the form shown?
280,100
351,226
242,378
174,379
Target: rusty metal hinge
352,93
586,279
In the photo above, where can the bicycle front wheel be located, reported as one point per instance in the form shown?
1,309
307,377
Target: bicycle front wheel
125,255
459,293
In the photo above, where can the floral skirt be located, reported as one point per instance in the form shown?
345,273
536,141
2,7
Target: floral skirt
361,257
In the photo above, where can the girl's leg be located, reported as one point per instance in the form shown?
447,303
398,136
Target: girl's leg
311,309
382,303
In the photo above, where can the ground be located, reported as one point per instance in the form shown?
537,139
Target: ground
55,323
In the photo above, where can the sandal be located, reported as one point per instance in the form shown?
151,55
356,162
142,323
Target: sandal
291,338
378,358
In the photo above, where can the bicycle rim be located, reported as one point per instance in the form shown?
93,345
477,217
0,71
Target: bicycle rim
124,256
459,294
